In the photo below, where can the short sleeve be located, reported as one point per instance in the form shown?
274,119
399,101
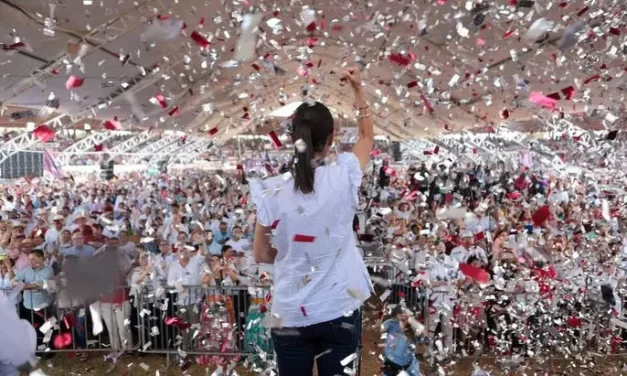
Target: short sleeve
264,215
349,163
387,326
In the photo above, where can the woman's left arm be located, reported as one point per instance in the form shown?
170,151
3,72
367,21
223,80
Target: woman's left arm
262,249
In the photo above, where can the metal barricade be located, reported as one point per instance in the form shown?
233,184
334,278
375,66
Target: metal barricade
212,323
215,324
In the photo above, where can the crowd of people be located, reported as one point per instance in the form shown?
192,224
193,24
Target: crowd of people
482,258
135,264
518,262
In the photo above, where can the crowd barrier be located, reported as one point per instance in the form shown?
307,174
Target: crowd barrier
214,325
493,321
223,325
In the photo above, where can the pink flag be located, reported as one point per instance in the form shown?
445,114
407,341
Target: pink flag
52,167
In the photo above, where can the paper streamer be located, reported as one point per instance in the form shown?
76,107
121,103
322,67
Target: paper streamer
97,327
246,44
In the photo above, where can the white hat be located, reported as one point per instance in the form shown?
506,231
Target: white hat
467,234
58,218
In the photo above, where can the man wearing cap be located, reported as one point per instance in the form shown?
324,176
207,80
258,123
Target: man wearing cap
53,235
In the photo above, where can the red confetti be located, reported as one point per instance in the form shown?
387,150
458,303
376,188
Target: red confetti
298,238
112,125
302,309
311,27
596,77
541,215
199,39
582,12
174,111
475,273
43,133
275,224
425,101
213,131
569,92
412,84
508,34
74,82
400,59
275,140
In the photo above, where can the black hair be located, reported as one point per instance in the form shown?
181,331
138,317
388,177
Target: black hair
38,252
313,125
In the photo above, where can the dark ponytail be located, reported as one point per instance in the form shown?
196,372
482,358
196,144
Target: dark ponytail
303,169
312,131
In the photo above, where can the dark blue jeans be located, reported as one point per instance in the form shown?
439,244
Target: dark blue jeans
328,343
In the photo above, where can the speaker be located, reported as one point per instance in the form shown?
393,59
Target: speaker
162,166
106,171
396,151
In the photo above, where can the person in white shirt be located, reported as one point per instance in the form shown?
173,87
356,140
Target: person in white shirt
320,280
19,341
127,247
467,249
444,274
238,243
185,275
53,235
165,258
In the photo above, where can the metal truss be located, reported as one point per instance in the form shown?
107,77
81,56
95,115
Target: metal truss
27,139
172,149
153,148
191,151
129,144
417,149
85,145
97,38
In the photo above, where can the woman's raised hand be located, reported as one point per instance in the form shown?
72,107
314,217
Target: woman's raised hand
353,76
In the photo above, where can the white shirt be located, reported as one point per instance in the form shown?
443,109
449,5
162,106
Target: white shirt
53,236
129,250
320,280
187,276
19,339
444,271
242,245
163,262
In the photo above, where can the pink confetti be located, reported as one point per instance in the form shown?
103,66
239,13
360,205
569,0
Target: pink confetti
74,82
542,100
160,100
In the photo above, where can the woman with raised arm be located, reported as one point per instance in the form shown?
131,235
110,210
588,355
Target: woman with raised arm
304,228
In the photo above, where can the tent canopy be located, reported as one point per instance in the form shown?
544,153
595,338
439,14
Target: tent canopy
429,67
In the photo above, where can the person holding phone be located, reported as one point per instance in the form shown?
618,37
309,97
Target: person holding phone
320,279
